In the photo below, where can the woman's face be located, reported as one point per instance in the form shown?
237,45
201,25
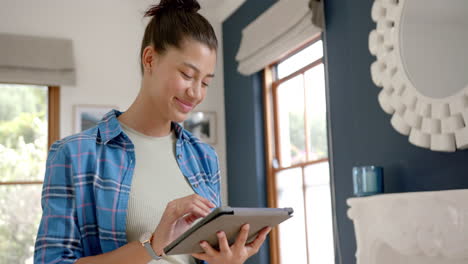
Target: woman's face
179,79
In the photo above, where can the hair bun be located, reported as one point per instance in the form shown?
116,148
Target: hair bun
186,5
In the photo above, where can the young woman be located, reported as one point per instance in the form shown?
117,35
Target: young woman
122,191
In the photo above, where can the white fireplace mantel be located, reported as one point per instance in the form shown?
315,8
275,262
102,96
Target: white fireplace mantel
416,228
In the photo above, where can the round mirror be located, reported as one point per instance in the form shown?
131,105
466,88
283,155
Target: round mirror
421,49
434,42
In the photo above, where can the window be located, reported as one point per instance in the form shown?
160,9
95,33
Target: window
28,124
297,156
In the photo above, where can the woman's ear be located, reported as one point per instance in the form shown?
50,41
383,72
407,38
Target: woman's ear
148,59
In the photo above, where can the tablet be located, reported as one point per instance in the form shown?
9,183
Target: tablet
229,220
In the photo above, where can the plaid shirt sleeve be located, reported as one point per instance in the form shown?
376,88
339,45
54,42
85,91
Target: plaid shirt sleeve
58,238
215,180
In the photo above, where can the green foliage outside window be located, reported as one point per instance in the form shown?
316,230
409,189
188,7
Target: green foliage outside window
23,151
318,136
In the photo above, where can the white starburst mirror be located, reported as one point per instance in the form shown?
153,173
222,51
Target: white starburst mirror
421,49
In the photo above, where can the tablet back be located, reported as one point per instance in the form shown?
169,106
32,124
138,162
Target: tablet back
229,220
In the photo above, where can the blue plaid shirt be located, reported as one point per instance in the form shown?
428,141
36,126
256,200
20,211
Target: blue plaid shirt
87,186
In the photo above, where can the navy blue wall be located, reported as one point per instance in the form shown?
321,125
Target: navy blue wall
244,120
361,132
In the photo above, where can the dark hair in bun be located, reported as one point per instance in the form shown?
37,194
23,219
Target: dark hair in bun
172,22
189,6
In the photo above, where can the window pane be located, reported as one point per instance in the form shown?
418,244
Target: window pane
291,121
292,238
316,113
23,132
300,59
20,212
319,214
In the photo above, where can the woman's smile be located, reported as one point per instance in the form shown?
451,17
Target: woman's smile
185,106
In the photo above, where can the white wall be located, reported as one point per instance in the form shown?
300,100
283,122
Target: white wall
215,102
106,37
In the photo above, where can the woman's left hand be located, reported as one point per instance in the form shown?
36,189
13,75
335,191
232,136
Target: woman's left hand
238,253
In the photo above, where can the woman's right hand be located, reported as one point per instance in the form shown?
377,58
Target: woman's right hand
177,218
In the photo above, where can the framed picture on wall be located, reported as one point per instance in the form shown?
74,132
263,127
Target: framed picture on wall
202,125
87,116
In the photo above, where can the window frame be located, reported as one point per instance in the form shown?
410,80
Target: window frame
53,123
272,138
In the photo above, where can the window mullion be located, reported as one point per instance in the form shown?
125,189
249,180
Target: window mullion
304,196
53,115
271,175
20,182
300,71
306,123
277,133
302,164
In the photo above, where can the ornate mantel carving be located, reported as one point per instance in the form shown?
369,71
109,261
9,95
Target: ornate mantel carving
418,227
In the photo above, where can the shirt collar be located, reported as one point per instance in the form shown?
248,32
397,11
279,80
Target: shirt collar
109,127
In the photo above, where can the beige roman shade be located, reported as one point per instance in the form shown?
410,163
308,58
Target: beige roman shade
281,28
36,60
